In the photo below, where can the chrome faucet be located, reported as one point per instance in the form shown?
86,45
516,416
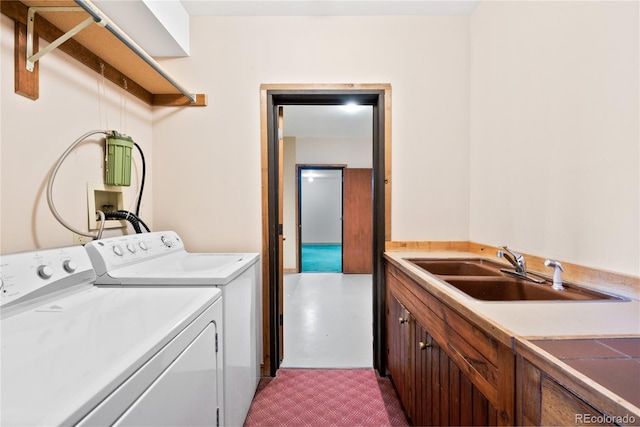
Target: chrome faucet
519,264
516,259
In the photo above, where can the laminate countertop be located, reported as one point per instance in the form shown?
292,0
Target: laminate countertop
595,343
532,319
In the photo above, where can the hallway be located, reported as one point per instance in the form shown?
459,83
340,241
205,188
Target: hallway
327,332
328,321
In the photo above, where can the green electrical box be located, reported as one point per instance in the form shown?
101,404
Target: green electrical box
117,169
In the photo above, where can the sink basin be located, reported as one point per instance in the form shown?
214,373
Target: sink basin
482,279
509,289
459,267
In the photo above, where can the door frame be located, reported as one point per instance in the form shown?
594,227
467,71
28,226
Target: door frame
272,96
299,169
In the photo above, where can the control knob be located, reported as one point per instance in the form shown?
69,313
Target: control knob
70,265
143,246
166,241
117,250
131,247
45,271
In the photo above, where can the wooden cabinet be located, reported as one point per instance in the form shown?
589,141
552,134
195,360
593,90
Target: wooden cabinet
447,370
542,400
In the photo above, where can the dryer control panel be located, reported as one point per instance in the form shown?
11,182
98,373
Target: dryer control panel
26,276
116,252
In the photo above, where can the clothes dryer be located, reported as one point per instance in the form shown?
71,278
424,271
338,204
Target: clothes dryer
160,260
73,353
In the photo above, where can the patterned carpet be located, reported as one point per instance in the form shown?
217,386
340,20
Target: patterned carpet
324,398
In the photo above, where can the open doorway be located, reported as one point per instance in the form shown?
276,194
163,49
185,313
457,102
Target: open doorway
319,215
274,97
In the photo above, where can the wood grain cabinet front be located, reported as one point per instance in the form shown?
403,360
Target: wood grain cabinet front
398,357
446,369
444,395
543,400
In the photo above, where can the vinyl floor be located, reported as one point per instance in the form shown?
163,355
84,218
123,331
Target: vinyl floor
328,320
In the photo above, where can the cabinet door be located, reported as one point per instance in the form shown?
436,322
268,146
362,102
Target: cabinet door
398,355
561,407
444,395
542,400
426,379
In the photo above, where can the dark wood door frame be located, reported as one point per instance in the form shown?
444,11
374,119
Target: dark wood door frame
378,96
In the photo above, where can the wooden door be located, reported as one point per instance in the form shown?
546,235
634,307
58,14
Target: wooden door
357,226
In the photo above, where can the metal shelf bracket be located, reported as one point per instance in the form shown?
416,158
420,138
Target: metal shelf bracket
27,42
33,58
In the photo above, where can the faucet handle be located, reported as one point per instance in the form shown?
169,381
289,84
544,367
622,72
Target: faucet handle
516,259
516,255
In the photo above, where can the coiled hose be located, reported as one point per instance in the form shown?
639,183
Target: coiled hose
54,172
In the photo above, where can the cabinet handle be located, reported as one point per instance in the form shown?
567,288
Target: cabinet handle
402,320
423,345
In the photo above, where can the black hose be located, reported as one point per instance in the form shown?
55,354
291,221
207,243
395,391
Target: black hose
128,216
144,167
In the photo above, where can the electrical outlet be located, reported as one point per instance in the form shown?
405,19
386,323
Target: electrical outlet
79,239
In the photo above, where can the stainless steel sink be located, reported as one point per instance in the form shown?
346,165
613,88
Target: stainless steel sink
482,279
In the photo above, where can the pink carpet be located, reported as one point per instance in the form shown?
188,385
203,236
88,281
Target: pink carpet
325,397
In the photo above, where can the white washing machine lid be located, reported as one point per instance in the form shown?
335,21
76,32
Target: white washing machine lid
61,359
182,268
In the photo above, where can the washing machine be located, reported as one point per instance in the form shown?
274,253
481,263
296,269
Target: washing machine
76,354
160,260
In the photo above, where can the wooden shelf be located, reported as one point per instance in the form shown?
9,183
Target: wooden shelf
95,47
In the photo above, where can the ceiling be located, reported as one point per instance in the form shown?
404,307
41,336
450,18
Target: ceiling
328,7
329,121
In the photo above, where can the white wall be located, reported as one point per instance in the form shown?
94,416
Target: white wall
555,125
216,203
356,153
322,209
518,125
34,135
